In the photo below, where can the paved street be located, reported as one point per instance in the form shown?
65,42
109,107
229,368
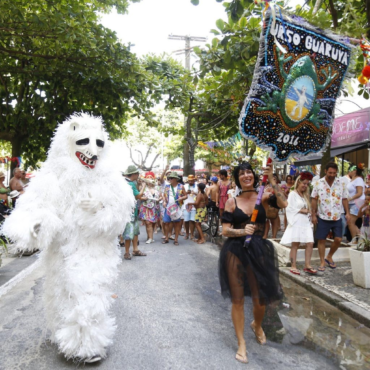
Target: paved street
170,315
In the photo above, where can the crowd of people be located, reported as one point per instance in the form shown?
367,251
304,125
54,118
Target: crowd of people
315,210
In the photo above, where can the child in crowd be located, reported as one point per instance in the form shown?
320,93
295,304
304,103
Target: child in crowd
231,192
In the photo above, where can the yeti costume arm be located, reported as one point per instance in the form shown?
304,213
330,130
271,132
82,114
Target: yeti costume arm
112,203
35,221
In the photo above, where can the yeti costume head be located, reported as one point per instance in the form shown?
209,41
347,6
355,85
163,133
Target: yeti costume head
81,141
86,140
73,211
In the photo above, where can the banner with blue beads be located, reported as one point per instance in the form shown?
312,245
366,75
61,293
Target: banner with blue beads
297,79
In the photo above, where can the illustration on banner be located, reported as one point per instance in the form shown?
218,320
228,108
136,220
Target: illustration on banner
296,82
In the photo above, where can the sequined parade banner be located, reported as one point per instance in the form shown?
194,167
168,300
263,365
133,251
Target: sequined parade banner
297,79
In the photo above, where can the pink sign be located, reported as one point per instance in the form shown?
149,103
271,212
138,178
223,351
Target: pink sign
352,128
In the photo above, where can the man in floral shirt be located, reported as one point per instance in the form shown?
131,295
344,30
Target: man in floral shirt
328,195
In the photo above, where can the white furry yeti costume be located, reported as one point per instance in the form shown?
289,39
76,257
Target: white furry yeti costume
73,211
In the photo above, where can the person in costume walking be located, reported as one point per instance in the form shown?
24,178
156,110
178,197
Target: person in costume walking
300,228
356,198
200,205
251,271
73,211
189,211
149,209
223,187
174,194
132,229
327,197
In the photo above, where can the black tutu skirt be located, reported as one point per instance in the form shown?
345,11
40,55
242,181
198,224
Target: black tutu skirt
252,271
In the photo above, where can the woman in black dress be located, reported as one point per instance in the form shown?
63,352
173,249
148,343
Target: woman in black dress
251,271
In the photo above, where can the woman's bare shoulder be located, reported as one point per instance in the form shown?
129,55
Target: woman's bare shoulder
230,205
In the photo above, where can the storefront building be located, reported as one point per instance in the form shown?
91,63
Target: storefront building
350,139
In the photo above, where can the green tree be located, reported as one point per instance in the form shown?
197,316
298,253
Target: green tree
232,53
149,142
57,59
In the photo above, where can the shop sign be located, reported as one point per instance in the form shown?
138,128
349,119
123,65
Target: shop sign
351,128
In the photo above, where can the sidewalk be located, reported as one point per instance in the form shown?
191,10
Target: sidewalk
337,288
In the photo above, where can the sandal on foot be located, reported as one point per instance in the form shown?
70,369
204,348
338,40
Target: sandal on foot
165,241
138,253
121,244
332,265
176,243
295,271
127,256
241,358
186,237
310,270
201,241
260,339
321,269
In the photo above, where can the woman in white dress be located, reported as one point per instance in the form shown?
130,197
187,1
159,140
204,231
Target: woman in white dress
300,228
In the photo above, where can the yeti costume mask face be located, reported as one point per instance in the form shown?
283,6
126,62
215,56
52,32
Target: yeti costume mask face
86,142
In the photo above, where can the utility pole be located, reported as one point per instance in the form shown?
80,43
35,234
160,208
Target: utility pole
188,167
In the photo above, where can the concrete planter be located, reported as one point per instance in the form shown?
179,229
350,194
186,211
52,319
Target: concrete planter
360,263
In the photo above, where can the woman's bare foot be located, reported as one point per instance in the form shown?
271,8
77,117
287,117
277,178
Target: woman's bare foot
241,355
201,241
259,333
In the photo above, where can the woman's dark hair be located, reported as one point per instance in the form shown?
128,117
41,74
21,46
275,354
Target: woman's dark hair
201,187
359,172
287,177
244,166
223,172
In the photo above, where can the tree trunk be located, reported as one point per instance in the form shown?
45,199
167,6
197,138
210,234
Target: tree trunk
252,149
325,160
317,7
16,151
186,159
334,13
367,6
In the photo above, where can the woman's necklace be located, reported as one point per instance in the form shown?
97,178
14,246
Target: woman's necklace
249,191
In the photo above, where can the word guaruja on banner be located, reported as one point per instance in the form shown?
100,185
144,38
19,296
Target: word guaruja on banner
298,76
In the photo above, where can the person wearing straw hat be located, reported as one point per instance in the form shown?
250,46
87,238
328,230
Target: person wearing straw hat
191,189
132,229
174,194
14,195
149,209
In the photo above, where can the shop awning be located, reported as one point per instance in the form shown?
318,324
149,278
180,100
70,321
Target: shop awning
314,160
347,149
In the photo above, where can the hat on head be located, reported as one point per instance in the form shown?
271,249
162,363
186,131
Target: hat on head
131,170
2,174
191,177
214,178
14,194
173,175
149,175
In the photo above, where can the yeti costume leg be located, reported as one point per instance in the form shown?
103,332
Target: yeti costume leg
73,211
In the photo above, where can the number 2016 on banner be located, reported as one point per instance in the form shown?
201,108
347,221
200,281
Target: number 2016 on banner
288,139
